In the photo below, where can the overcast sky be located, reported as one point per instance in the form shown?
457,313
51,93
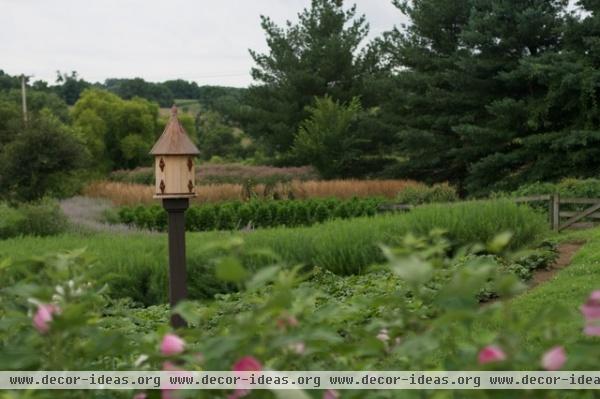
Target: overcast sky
206,41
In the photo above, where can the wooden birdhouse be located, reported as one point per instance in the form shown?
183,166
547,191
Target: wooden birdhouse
174,154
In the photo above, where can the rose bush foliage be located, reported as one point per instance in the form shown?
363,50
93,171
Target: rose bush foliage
418,311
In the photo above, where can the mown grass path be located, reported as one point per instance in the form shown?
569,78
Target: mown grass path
566,252
561,295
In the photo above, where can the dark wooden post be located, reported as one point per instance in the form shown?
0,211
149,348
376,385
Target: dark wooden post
175,208
555,213
551,211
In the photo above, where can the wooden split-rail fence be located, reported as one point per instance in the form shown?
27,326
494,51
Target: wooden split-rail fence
562,219
558,218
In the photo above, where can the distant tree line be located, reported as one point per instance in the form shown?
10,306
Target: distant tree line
77,130
69,86
485,94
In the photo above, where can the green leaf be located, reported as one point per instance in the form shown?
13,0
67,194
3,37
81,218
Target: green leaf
412,269
190,311
230,269
499,242
508,286
262,277
5,263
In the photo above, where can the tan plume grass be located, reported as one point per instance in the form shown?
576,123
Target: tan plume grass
133,194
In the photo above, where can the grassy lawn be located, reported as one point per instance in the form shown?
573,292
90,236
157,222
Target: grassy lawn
560,297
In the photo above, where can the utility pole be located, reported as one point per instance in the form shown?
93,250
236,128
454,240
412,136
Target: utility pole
24,99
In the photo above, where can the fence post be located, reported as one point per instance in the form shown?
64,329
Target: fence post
555,212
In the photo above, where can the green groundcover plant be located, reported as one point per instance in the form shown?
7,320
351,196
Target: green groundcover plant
417,311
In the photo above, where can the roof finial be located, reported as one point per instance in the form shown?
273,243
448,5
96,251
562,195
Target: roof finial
174,110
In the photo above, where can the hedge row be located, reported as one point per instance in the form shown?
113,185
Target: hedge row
587,188
236,215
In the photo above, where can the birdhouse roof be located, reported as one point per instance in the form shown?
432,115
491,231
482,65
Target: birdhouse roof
174,140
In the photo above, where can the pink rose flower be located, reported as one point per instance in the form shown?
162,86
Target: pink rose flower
171,345
383,335
43,317
247,363
286,321
554,359
238,393
591,307
167,394
168,390
169,366
331,394
592,330
490,354
297,347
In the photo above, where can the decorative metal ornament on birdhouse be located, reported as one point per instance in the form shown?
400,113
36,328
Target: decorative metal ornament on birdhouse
174,154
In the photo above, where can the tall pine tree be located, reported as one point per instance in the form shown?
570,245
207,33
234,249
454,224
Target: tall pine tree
509,42
319,55
462,104
427,98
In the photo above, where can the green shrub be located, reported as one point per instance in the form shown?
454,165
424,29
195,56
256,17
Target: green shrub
41,218
236,214
207,216
159,217
586,188
566,188
321,213
283,214
422,194
126,215
349,246
473,221
245,215
303,216
263,217
11,221
342,211
226,217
